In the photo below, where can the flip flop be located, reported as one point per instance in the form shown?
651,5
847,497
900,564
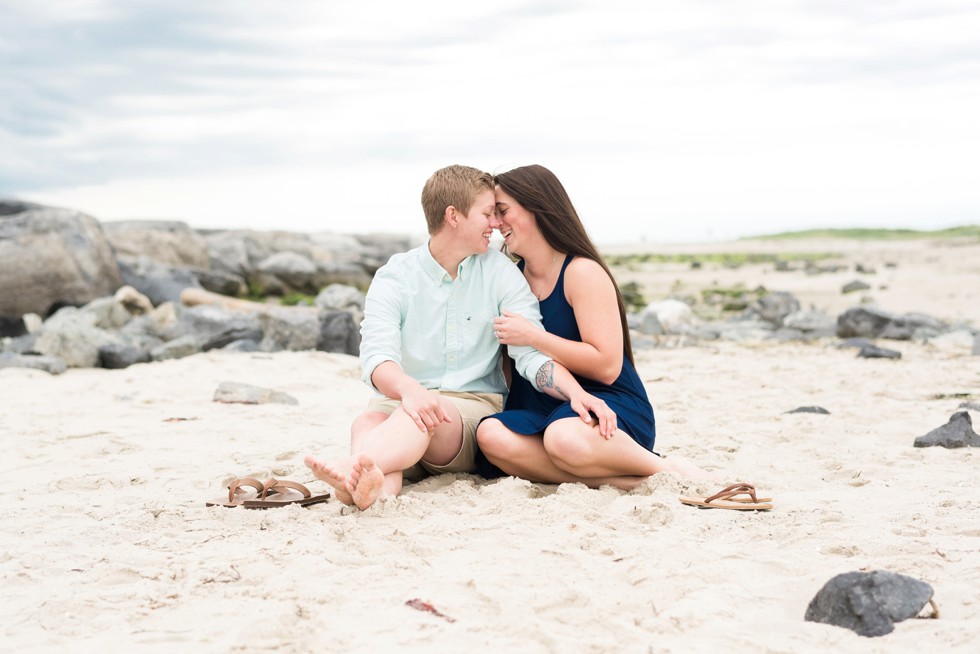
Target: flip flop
282,492
237,494
727,498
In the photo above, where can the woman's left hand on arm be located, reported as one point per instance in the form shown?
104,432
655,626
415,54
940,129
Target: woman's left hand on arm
514,329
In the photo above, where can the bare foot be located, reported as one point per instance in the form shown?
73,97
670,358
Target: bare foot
687,469
332,475
367,482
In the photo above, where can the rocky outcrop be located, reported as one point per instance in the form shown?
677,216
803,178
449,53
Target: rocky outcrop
50,258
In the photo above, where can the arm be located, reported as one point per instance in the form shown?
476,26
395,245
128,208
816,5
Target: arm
381,353
592,295
421,404
554,380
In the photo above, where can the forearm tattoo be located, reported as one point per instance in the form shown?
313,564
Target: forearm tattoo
546,379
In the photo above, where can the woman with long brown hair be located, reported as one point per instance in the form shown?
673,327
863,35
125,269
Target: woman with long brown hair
538,437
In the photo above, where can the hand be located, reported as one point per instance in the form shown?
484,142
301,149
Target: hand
425,408
585,403
513,329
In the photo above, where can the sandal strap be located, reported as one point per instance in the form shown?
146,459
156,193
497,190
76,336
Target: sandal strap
278,485
235,486
732,491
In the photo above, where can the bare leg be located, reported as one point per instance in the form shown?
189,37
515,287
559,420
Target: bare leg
525,457
577,448
337,471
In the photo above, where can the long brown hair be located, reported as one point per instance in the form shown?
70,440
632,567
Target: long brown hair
538,190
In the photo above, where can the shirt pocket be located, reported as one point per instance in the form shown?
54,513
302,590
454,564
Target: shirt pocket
476,329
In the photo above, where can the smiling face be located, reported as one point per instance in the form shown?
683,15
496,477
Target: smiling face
477,225
515,223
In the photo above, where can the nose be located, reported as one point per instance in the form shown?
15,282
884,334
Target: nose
495,221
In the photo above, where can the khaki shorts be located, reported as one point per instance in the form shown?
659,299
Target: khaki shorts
472,408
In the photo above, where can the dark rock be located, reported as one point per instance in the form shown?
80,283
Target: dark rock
242,345
856,285
233,392
212,326
809,409
861,268
869,603
290,329
958,432
875,352
871,322
218,281
12,326
158,282
178,348
51,258
338,333
117,356
52,365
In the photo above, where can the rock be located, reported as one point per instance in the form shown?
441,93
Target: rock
158,282
120,355
135,302
970,406
287,271
338,333
809,409
871,322
233,392
52,365
73,336
774,307
178,348
976,345
51,258
340,297
875,352
286,329
12,326
168,242
671,314
869,603
958,339
957,432
212,326
218,281
856,285
812,321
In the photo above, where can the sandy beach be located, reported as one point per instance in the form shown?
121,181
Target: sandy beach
108,544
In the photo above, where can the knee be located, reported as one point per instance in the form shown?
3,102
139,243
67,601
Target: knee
494,439
568,448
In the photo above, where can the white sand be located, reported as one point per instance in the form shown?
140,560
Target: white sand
107,544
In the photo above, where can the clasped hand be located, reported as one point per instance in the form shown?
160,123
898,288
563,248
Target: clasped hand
513,329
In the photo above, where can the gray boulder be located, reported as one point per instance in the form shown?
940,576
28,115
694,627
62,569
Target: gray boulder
874,352
869,603
52,365
290,329
957,432
120,355
773,307
236,393
212,326
51,258
158,282
338,333
856,285
169,242
872,322
178,348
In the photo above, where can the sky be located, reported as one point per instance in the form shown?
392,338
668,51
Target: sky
666,120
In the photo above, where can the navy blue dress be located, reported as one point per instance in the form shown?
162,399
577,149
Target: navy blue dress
529,411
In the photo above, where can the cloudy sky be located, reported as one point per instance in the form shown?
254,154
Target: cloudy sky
667,120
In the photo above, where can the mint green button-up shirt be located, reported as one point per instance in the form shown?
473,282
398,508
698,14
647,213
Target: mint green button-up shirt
440,330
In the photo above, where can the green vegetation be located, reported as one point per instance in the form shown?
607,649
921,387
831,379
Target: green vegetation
632,296
297,299
965,232
727,259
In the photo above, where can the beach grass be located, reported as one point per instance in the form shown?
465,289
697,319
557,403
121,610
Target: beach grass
971,232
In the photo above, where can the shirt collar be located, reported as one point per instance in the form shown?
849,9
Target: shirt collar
437,273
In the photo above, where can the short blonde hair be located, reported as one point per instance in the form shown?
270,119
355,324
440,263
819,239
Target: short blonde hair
455,186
